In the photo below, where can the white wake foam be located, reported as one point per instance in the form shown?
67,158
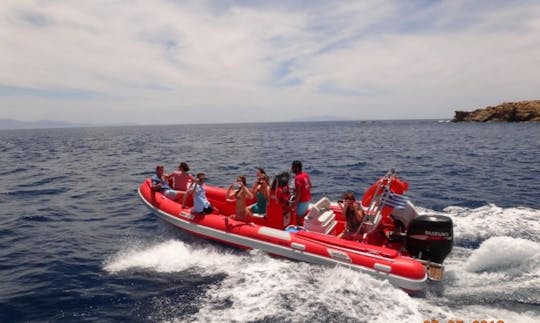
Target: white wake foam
171,256
502,269
481,223
257,287
291,291
264,287
505,254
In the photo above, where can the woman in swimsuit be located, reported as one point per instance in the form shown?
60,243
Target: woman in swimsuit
239,195
261,191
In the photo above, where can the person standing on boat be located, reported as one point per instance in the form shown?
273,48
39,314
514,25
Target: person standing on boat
353,215
181,178
239,196
261,191
279,208
201,204
302,191
160,183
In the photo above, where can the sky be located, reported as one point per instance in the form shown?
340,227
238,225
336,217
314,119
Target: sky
176,62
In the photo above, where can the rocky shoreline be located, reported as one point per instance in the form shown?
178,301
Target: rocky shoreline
505,112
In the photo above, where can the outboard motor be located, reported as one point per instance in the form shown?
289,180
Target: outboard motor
430,237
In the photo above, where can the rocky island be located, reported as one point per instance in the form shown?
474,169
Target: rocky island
505,112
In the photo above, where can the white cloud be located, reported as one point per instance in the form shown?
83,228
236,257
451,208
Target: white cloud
167,62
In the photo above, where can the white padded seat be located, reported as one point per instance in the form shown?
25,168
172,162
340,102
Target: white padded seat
320,217
314,211
323,204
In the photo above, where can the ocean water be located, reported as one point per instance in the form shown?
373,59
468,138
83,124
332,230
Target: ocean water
77,244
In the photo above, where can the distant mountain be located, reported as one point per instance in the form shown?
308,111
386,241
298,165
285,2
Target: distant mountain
16,124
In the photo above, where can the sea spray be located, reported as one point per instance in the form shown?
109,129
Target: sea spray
171,256
510,255
472,226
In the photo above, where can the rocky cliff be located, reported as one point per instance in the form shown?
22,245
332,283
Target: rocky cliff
505,112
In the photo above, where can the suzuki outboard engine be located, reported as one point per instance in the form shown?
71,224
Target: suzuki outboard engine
430,237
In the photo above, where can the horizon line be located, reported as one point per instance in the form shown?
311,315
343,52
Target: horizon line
68,124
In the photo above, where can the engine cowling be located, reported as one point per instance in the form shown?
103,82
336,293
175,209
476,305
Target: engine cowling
430,237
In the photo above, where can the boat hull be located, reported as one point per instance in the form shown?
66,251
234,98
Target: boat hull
402,271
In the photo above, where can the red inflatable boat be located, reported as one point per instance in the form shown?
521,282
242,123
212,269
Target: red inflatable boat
407,253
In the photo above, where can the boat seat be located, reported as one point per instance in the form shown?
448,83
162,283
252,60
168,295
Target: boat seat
323,204
320,217
319,207
317,226
327,217
330,227
313,211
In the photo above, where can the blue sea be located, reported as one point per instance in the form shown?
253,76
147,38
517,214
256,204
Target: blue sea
77,244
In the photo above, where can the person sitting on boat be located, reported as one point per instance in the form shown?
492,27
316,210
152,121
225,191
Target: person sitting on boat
160,183
302,191
260,190
239,196
353,214
181,178
201,204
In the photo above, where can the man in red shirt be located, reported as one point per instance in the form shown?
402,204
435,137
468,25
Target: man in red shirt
302,189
